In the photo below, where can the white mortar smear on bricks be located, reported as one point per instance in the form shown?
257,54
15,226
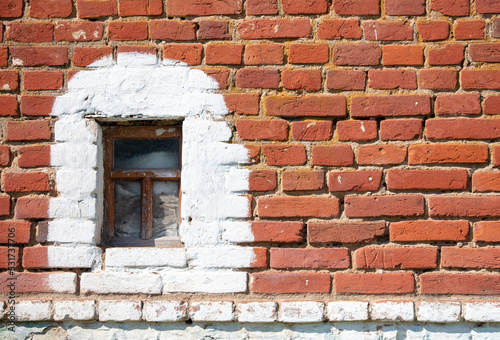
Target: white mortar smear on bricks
141,87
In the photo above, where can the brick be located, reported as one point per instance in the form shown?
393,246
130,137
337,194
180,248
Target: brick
26,181
339,29
487,231
372,283
164,311
128,8
85,56
346,80
387,30
78,31
11,9
487,6
30,32
333,258
395,258
341,232
262,7
496,155
223,54
211,311
332,155
433,179
453,8
462,128
282,283
393,311
306,106
354,180
220,75
485,181
390,106
210,29
8,106
392,79
356,54
52,282
32,207
19,231
9,80
142,257
489,53
381,154
242,103
357,130
469,30
258,78
481,311
400,129
37,105
347,311
9,257
262,180
389,205
496,28
39,55
429,231
119,310
305,7
293,180
4,205
142,49
467,206
131,283
4,155
263,54
4,56
398,55
305,80
439,311
172,30
356,7
184,8
43,80
402,7
262,129
60,257
433,30
81,310
438,79
480,79
475,258
308,53
125,31
447,154
301,311
257,312
90,9
312,130
28,130
274,28
285,154
278,232
463,283
449,54
293,206
50,8
187,53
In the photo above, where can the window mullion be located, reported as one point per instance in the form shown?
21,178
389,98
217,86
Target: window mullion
146,208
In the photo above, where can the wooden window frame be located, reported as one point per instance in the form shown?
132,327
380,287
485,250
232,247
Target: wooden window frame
143,176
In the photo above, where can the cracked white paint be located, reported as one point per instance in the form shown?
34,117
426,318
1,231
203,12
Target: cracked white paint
139,86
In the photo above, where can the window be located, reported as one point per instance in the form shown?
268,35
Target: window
142,172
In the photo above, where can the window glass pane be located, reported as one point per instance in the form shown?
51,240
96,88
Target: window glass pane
165,209
146,154
127,209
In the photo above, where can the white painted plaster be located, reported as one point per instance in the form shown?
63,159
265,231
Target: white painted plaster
301,311
73,257
393,310
221,257
61,282
164,311
482,311
74,310
71,231
33,310
211,311
237,232
439,311
129,283
120,310
347,310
